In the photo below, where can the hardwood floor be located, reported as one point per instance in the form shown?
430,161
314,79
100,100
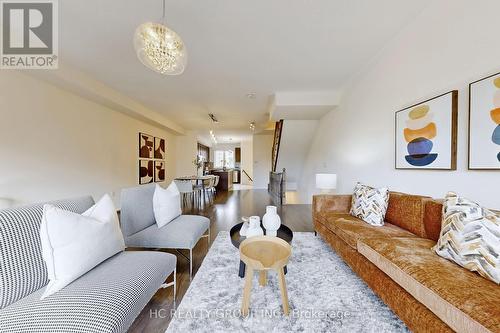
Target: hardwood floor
226,211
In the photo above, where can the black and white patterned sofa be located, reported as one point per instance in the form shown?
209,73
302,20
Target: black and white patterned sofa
106,299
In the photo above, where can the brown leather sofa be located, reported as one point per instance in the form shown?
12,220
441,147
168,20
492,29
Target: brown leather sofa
429,293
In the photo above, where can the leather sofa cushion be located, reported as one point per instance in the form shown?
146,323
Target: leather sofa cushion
351,229
407,211
462,299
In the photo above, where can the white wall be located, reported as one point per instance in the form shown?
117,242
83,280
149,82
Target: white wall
54,144
296,138
452,43
186,152
247,160
187,149
262,147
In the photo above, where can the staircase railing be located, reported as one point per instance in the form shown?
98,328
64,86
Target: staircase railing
246,174
276,187
278,128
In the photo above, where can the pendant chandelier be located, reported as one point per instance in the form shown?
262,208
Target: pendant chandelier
160,48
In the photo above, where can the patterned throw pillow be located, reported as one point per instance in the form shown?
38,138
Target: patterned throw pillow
470,236
370,204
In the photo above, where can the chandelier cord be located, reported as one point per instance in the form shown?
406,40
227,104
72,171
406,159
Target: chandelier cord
163,17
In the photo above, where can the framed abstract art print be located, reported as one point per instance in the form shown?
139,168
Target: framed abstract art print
426,134
484,123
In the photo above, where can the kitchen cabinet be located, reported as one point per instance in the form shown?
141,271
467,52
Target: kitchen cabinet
237,155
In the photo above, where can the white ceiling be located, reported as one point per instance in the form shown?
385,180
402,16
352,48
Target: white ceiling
234,47
303,105
224,136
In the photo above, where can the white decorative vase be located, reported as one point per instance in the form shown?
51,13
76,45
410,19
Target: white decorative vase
254,228
271,221
244,227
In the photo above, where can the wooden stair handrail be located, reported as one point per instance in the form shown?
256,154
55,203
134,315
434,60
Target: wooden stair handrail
246,174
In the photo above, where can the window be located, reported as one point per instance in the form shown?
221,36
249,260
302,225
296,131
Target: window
224,158
219,158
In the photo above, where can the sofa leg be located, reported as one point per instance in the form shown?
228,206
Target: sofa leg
175,284
172,284
190,265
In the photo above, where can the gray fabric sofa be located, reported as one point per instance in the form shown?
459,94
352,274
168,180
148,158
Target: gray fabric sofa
140,229
106,299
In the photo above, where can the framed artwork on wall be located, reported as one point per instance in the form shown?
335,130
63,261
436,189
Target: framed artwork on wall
484,123
426,134
159,171
146,171
151,159
159,151
146,143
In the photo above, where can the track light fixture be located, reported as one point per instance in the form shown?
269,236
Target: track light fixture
213,118
212,134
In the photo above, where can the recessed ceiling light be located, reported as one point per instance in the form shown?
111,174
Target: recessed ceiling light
251,95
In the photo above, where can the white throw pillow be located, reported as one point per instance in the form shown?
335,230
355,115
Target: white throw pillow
73,244
166,204
370,204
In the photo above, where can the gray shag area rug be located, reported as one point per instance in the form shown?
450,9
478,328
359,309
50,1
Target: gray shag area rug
325,295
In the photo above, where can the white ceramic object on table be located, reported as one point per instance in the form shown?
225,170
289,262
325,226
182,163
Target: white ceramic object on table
244,227
254,227
271,221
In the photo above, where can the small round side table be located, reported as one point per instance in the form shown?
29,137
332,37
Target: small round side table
284,233
262,253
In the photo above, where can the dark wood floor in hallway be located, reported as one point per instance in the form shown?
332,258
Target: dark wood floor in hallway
226,211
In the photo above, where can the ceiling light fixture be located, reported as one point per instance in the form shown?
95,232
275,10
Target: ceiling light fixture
252,125
213,136
251,95
160,48
213,118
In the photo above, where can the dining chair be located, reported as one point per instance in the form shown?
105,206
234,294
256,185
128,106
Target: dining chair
187,191
211,188
198,191
216,182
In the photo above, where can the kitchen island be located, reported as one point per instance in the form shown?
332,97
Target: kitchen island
225,179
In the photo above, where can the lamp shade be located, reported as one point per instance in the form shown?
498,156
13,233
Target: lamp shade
326,181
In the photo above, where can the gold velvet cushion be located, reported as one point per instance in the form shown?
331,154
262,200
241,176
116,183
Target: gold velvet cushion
350,229
370,204
433,216
470,237
462,299
407,212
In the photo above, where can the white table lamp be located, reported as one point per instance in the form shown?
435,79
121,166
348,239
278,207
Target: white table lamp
326,182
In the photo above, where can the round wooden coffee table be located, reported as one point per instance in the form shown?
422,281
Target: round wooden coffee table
284,233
